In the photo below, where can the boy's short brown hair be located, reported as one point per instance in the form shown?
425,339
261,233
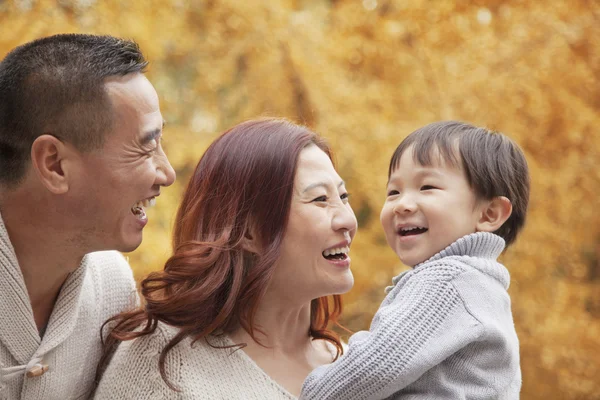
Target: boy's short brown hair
493,163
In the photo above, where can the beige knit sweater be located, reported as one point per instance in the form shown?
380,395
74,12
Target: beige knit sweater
199,371
102,286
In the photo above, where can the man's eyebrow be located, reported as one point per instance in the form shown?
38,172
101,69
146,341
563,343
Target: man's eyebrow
153,134
318,184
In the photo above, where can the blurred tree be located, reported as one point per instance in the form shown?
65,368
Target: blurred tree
365,74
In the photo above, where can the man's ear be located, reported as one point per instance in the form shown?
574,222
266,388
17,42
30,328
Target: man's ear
47,157
494,213
250,241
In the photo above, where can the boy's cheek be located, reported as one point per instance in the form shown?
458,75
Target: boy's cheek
386,215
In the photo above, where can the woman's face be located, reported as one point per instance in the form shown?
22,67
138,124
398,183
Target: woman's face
314,258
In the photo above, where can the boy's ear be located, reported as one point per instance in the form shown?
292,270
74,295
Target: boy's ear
494,214
47,157
250,241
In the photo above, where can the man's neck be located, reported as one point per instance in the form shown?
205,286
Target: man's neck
44,256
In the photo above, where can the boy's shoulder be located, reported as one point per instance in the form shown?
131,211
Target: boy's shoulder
455,268
445,269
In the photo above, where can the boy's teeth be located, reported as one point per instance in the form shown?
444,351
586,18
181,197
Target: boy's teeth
411,228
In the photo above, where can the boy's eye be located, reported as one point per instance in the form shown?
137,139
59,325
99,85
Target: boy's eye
427,187
392,192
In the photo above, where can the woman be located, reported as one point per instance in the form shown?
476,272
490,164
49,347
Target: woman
241,309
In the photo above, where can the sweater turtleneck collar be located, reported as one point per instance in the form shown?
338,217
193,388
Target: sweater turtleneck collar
479,244
484,246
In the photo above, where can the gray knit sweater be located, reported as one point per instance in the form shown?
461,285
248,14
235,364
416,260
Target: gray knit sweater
102,286
444,331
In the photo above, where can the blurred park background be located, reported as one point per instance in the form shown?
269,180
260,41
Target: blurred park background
364,74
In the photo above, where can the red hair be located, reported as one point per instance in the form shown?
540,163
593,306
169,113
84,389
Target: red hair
211,285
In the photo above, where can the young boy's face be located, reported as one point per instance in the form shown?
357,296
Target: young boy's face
427,208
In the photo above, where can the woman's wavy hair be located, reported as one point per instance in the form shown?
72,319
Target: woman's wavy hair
211,285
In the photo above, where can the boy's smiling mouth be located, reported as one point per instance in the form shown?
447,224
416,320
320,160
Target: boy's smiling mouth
410,230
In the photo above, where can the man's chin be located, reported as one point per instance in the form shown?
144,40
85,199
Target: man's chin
130,244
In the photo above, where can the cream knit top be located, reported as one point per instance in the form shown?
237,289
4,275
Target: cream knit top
199,371
101,287
444,331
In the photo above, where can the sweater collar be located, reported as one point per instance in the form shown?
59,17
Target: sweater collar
21,336
480,244
482,249
484,246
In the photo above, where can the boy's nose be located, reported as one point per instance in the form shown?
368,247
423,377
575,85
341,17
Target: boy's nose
404,205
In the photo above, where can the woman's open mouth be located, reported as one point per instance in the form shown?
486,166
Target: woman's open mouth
337,253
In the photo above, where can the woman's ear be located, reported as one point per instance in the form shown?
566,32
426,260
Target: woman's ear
47,156
250,241
494,213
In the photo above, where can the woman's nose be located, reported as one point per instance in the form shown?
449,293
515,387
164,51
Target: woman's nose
344,219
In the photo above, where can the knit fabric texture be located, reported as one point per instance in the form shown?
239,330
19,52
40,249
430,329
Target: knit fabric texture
199,370
101,287
444,331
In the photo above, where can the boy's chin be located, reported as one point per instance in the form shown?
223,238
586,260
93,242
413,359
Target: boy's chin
412,261
409,262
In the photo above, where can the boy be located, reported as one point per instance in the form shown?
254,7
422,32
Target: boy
456,196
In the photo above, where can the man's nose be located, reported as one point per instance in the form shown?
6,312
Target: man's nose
165,173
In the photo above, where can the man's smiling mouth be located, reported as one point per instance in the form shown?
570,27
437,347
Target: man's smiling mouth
138,208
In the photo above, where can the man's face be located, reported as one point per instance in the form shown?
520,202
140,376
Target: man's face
113,185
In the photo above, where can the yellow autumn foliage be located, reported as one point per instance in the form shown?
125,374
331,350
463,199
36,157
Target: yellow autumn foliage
365,73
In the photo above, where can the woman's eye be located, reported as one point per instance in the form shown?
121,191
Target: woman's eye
321,198
427,187
345,196
392,193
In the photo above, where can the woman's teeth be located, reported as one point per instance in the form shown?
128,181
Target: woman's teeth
338,250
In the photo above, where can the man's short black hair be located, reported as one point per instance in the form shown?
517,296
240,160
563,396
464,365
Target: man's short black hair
55,85
493,163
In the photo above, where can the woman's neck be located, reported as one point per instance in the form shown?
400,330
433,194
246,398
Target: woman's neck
279,324
285,350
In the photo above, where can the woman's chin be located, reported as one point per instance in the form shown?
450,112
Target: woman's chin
343,285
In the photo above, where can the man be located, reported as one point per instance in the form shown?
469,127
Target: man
80,160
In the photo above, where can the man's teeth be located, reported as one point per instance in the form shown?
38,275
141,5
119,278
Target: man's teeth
146,203
338,250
